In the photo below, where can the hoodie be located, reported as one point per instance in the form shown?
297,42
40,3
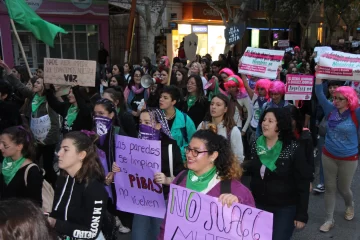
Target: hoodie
79,208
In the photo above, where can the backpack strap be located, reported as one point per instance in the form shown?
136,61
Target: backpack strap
225,186
27,172
354,118
183,174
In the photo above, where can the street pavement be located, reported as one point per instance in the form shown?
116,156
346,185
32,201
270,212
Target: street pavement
343,230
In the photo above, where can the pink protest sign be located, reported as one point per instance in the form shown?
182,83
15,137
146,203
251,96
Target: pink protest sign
136,190
263,63
299,87
193,215
102,157
339,66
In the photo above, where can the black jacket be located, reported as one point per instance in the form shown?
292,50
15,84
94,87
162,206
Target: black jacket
9,115
198,111
78,208
306,143
287,185
128,124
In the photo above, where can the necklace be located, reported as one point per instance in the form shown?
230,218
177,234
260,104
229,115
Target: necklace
170,118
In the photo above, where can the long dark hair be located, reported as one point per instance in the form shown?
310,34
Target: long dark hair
91,167
227,165
132,82
117,95
183,82
297,117
199,87
110,108
228,118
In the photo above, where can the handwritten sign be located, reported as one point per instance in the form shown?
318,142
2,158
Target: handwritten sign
234,33
40,127
136,190
260,62
319,51
283,43
193,215
69,72
102,157
299,87
339,65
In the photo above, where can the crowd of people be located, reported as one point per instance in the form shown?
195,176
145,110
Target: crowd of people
221,127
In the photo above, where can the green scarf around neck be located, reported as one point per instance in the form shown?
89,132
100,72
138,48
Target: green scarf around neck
191,100
118,110
199,183
36,102
10,168
268,157
71,114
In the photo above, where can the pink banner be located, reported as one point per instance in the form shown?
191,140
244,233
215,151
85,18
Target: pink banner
299,87
193,215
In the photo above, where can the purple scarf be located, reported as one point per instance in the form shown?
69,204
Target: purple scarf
148,133
137,90
103,125
336,117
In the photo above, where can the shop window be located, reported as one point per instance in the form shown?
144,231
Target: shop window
81,46
40,52
55,52
67,46
93,41
80,28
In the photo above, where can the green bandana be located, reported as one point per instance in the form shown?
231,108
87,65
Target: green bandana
191,100
10,168
199,183
118,110
268,157
71,114
215,92
37,101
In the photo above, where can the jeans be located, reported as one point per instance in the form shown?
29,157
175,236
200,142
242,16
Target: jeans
321,171
283,225
145,227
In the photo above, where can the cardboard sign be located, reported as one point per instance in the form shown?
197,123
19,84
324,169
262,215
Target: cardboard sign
299,87
193,215
263,63
320,51
190,46
339,66
283,43
40,127
69,72
136,190
234,33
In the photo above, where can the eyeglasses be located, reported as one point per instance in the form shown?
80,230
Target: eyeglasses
194,152
338,99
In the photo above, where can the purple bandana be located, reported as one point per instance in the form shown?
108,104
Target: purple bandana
335,118
148,133
103,125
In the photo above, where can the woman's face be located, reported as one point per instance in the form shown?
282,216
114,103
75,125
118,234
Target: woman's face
69,157
340,101
198,160
137,77
269,126
8,147
146,120
38,85
179,76
108,75
195,68
115,70
191,85
175,68
113,82
156,74
126,68
16,73
332,89
166,101
164,77
29,85
71,97
217,107
262,92
308,66
144,63
224,76
220,57
275,97
233,90
99,110
40,73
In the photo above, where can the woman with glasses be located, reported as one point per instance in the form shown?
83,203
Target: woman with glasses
135,94
196,69
340,152
211,163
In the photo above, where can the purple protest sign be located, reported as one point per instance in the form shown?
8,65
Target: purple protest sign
136,190
102,157
193,215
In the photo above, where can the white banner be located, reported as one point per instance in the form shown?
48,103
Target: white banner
283,43
69,72
339,66
319,51
40,127
262,63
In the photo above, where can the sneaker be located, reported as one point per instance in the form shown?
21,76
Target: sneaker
349,213
327,226
320,188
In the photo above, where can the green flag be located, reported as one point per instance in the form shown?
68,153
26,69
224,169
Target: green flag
21,13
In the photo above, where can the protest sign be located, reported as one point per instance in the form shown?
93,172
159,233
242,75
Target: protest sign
283,43
339,66
234,33
136,190
260,62
190,46
103,160
69,72
298,87
319,51
40,127
193,215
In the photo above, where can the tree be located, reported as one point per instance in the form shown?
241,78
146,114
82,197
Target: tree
227,14
270,11
351,17
306,16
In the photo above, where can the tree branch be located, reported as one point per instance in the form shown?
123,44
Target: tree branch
160,14
218,10
230,16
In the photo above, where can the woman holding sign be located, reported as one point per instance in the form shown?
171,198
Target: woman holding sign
43,121
153,126
340,152
213,170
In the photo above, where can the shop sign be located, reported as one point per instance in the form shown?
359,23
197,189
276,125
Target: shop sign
234,33
34,4
199,28
283,43
210,12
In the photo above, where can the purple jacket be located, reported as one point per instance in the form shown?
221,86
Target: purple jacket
237,188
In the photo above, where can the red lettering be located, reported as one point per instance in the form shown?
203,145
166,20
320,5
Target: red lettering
132,179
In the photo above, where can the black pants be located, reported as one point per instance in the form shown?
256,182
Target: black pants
47,152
